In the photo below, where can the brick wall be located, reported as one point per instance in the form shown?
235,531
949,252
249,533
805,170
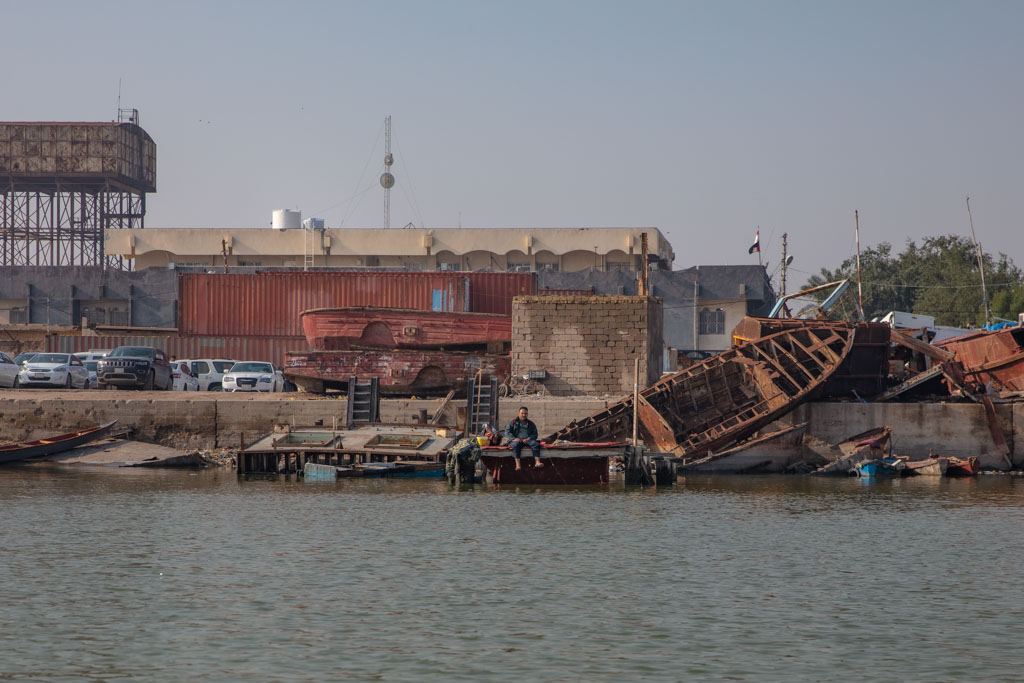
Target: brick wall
588,344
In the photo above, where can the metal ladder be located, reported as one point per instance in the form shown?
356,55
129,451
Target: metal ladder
481,403
363,401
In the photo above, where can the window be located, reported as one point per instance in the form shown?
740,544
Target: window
712,321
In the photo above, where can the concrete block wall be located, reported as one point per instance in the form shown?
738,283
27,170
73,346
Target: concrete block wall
588,344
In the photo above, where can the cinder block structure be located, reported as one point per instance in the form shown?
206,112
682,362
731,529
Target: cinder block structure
587,344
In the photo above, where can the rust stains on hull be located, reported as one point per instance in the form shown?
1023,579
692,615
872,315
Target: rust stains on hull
402,372
338,329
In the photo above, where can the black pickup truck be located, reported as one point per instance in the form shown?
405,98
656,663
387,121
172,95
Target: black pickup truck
144,367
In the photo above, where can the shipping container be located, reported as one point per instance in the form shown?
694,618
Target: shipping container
270,350
268,304
493,292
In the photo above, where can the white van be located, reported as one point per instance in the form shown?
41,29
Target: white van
92,354
209,371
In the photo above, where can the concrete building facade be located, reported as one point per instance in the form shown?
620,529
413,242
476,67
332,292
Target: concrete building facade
460,249
701,304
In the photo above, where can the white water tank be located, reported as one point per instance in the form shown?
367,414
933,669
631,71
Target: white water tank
286,219
313,224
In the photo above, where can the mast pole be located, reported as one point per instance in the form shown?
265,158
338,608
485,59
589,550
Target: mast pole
860,292
981,263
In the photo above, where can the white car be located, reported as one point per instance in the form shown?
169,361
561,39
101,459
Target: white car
209,371
54,370
253,376
92,366
92,354
183,378
8,371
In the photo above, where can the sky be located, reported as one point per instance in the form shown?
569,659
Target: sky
707,120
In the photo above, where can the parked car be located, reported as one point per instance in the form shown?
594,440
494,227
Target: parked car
92,354
209,371
54,370
93,367
182,375
20,359
8,371
253,376
144,367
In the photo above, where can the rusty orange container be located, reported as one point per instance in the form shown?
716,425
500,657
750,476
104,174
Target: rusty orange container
268,304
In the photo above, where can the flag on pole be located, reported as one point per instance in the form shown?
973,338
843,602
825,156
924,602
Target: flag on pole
756,246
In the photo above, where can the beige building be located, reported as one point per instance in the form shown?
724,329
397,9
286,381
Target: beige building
460,249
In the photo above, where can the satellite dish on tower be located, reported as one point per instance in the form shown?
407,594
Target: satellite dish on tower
387,181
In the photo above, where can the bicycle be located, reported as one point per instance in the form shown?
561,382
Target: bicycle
521,385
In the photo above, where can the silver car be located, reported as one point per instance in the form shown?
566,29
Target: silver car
54,370
8,371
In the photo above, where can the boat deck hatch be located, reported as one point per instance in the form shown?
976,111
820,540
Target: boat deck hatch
411,441
308,439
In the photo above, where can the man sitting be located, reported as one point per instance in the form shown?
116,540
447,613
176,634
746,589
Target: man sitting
521,431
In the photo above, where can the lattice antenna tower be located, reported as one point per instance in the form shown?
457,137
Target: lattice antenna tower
387,180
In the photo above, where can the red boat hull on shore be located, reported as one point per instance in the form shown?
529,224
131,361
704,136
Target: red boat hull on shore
569,464
995,357
401,372
340,329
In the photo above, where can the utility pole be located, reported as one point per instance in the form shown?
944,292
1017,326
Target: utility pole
644,288
784,263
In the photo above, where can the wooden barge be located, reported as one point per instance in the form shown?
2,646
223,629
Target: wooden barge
407,448
563,464
342,329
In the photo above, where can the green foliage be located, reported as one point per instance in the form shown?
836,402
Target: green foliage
939,278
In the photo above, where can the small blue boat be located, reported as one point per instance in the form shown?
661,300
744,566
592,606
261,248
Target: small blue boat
881,467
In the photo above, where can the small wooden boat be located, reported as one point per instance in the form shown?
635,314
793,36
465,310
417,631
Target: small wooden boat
13,452
569,463
930,467
342,329
776,451
958,467
881,467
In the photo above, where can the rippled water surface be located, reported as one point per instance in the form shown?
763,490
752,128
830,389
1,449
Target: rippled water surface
165,575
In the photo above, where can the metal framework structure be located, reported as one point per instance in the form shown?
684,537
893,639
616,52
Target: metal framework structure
63,224
63,184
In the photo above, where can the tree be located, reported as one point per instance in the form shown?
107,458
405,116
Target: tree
940,278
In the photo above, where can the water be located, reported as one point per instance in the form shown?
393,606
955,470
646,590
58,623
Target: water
113,574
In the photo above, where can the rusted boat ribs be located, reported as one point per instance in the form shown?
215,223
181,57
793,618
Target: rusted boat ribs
728,397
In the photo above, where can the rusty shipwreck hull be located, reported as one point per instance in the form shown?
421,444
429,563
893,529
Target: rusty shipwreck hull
401,372
861,374
709,406
995,356
340,329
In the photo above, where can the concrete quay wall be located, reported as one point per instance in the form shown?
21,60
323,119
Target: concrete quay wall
213,420
954,429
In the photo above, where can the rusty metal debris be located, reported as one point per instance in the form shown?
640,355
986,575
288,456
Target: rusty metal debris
726,398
